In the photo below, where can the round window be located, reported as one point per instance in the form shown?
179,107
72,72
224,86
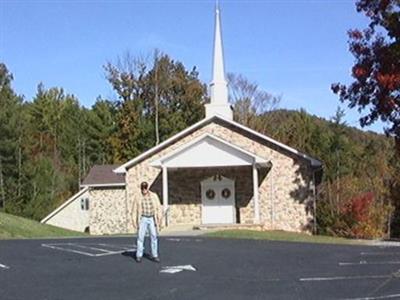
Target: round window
226,193
210,194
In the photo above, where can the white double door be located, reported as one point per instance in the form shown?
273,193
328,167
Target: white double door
218,200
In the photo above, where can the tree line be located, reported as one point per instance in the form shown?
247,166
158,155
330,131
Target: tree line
48,143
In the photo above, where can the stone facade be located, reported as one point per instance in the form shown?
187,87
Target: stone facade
284,190
108,213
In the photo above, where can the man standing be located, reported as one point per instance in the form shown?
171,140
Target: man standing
148,216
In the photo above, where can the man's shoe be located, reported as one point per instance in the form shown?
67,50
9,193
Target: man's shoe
138,259
156,259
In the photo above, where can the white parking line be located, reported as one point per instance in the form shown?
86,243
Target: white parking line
115,252
4,266
345,278
61,246
376,298
95,248
124,246
67,250
363,262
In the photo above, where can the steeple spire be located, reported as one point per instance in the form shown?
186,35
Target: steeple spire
219,104
218,61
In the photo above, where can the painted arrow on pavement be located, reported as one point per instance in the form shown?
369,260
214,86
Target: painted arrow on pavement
4,266
177,269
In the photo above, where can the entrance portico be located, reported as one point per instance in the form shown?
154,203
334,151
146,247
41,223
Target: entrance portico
213,154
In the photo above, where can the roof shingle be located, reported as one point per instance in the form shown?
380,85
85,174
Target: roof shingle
103,174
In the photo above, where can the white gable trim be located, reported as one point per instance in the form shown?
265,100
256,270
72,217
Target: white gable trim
235,156
65,204
122,169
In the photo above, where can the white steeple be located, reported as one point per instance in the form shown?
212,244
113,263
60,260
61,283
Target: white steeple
219,104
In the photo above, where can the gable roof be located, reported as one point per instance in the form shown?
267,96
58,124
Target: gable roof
122,169
218,152
103,175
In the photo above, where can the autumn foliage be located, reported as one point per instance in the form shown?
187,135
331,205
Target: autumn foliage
375,90
358,207
365,217
355,207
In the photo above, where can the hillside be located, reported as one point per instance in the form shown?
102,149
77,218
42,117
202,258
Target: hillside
283,124
17,227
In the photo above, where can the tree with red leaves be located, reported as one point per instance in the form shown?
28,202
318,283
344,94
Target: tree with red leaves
363,216
376,71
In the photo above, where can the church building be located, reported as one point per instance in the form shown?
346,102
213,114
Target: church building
216,172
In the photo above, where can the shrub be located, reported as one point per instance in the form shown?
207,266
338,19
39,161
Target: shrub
345,210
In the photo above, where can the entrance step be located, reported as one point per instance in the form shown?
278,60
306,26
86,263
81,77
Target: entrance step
193,230
180,230
228,226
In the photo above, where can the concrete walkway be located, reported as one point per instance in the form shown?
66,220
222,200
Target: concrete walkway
184,230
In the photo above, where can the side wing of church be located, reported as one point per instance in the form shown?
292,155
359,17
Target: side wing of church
216,172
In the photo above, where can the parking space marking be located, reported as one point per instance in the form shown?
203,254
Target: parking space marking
345,278
4,266
67,250
90,249
125,246
98,249
393,296
114,252
363,262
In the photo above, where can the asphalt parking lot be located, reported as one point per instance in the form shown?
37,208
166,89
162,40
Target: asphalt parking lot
196,268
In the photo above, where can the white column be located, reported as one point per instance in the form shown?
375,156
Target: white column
255,195
165,193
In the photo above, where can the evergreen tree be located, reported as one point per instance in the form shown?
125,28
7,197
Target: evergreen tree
100,130
11,138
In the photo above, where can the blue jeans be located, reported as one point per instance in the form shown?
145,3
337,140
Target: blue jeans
144,224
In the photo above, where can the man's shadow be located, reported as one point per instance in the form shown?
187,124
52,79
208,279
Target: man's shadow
132,255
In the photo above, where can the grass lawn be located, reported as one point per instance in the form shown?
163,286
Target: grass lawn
277,235
17,227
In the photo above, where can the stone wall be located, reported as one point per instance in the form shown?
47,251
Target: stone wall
285,194
108,213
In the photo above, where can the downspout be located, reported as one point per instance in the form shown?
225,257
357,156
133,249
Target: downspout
314,188
272,192
314,202
127,214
